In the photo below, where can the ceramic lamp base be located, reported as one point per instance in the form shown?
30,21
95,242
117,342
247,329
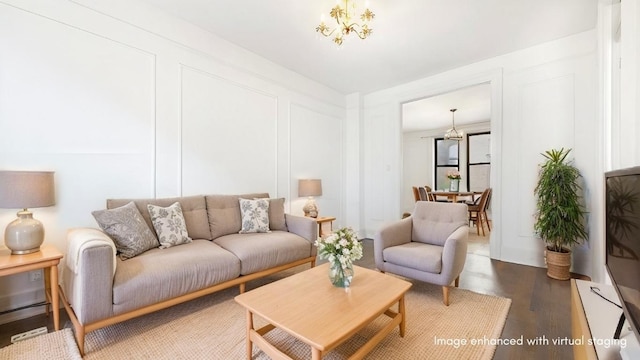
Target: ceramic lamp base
310,208
24,235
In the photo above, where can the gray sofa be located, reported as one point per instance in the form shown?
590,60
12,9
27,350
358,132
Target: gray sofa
100,289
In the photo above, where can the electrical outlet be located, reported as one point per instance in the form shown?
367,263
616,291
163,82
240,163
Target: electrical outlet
35,275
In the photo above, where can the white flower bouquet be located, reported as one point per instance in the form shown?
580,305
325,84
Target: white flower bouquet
341,249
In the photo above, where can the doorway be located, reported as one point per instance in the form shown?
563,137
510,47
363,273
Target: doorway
428,157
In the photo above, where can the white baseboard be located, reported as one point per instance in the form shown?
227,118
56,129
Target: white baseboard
18,300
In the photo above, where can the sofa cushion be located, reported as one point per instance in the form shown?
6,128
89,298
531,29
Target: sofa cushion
260,251
128,230
276,215
169,225
224,213
415,255
194,210
255,215
162,274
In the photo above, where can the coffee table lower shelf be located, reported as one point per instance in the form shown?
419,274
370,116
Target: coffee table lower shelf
321,315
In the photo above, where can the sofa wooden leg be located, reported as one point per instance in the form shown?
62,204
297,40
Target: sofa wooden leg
445,295
313,263
80,340
242,288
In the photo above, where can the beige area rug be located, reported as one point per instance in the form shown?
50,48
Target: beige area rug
55,345
213,327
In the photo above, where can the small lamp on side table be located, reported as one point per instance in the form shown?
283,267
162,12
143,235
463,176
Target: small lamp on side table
22,190
310,188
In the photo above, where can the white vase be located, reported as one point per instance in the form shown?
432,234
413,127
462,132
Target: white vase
454,185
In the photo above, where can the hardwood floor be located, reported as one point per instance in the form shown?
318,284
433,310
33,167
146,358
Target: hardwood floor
540,306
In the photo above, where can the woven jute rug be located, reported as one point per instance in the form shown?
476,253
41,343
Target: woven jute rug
213,327
55,345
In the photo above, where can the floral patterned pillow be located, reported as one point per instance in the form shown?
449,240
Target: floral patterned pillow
126,226
255,215
169,224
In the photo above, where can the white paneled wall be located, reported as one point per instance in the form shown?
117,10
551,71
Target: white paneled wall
542,97
551,109
318,155
122,101
228,136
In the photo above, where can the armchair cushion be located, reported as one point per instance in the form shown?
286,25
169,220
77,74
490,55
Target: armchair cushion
414,255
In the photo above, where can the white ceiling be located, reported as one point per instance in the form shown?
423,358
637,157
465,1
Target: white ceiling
411,38
473,105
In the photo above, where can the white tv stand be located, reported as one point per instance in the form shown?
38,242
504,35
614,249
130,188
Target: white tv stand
594,321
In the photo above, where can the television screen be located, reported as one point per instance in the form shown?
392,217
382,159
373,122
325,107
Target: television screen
622,216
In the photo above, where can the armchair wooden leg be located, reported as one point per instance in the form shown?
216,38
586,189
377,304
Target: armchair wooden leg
445,295
457,281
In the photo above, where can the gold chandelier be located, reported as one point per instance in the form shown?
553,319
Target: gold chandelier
345,23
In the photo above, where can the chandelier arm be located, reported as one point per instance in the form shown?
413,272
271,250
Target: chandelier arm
328,33
361,34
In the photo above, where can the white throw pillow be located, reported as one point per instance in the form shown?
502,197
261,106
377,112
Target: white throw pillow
169,224
255,215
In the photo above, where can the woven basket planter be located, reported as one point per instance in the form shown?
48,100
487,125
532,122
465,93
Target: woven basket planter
558,264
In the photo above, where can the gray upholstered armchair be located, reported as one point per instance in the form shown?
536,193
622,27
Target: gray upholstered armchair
430,245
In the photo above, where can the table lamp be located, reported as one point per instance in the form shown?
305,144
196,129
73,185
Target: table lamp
310,188
22,190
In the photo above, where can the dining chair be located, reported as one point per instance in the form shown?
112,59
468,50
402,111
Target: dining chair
416,193
478,212
423,194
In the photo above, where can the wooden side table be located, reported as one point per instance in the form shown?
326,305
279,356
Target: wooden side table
325,220
48,259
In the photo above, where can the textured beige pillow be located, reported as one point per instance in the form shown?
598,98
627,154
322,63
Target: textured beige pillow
276,215
169,225
128,230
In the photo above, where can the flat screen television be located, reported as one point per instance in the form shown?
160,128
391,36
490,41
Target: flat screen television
622,217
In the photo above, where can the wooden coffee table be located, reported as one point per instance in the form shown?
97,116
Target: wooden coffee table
308,307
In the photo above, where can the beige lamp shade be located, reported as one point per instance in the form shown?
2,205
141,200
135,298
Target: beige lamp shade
310,188
23,190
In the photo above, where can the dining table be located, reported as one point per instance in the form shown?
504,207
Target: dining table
452,196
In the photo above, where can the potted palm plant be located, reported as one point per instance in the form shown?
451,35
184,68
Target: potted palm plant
560,216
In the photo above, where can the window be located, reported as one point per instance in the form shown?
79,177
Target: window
479,164
447,158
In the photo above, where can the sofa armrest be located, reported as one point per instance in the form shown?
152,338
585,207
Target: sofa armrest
88,274
391,234
454,253
302,226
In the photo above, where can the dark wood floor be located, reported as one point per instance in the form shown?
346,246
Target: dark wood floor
540,306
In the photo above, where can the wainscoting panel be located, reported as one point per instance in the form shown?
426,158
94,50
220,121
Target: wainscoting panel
316,153
229,141
81,105
546,108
